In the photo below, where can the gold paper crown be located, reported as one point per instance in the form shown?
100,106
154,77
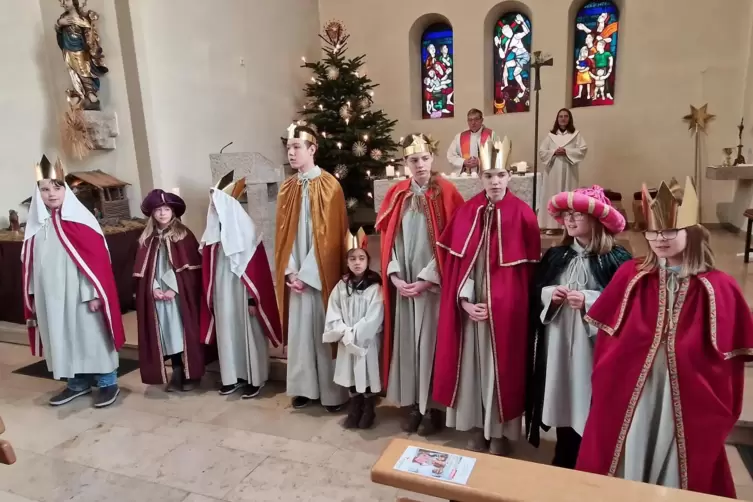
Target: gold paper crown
672,207
355,241
495,154
227,185
420,145
44,170
293,134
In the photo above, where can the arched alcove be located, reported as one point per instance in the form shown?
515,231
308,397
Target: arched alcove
432,67
507,56
595,30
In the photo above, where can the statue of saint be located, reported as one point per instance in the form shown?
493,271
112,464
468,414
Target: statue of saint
78,39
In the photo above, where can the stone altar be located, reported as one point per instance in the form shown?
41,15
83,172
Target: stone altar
520,185
263,179
731,214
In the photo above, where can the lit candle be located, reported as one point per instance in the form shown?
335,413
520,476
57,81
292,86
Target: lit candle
321,107
361,116
355,73
347,121
369,195
366,137
371,93
348,104
390,171
324,134
339,145
313,79
368,174
176,191
401,139
303,58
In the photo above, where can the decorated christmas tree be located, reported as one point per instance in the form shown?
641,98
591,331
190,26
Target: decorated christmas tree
355,142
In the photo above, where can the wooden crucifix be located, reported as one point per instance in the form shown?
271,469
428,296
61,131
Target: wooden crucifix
539,60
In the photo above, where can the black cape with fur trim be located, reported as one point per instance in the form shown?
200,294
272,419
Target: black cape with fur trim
552,264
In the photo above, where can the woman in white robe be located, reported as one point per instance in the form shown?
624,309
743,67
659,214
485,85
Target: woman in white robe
354,319
561,151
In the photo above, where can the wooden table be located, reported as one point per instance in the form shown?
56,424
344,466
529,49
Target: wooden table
498,479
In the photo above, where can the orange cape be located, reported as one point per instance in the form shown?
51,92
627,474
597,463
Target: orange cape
438,204
329,220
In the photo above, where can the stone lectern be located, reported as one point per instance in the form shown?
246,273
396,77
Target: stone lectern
263,179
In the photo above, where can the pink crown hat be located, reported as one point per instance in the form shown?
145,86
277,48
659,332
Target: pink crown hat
588,201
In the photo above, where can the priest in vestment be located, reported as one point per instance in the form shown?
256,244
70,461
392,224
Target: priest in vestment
561,151
669,365
312,224
489,251
71,302
413,215
239,313
569,279
167,276
463,151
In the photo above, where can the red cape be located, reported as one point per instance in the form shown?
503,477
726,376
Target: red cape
88,251
705,354
440,202
258,283
185,260
514,248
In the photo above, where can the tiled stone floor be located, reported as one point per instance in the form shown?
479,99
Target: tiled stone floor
197,447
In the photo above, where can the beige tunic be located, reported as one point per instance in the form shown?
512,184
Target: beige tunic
560,171
168,312
355,321
74,340
476,403
415,321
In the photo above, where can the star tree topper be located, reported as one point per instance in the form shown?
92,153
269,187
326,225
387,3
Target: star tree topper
698,118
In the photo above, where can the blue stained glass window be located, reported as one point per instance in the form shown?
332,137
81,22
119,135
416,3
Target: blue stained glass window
595,71
512,63
437,67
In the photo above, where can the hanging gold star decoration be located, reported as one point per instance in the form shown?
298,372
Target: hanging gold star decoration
698,118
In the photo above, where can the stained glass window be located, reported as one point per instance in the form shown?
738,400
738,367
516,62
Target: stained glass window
596,30
437,67
512,63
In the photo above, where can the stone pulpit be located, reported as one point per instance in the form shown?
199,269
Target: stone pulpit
263,179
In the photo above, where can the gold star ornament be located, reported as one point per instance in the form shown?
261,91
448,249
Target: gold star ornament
698,118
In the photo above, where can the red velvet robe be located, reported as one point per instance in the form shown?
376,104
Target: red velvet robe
439,204
706,353
88,251
185,260
514,238
258,283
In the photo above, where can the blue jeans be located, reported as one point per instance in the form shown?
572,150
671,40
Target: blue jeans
83,381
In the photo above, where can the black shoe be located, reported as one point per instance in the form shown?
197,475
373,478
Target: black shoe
106,396
369,413
412,420
250,391
335,408
176,380
229,389
300,402
189,385
355,411
432,424
67,396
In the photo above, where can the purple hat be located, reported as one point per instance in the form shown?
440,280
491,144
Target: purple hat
158,198
588,201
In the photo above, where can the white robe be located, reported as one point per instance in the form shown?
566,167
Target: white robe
168,312
650,452
74,340
569,348
476,405
311,367
455,154
414,336
241,343
560,171
355,321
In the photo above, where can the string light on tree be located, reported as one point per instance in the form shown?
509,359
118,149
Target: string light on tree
339,145
303,58
366,137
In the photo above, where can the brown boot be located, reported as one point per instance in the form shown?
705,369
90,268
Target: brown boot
369,413
355,411
412,420
433,423
502,447
477,442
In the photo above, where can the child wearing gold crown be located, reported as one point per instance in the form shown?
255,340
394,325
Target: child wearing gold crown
568,281
674,335
413,215
489,250
70,300
167,276
239,313
354,321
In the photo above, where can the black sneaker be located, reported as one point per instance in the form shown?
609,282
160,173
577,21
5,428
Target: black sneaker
300,402
106,396
229,389
335,408
250,391
67,396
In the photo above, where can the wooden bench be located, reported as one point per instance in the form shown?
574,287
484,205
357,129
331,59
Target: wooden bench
7,455
748,214
499,479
